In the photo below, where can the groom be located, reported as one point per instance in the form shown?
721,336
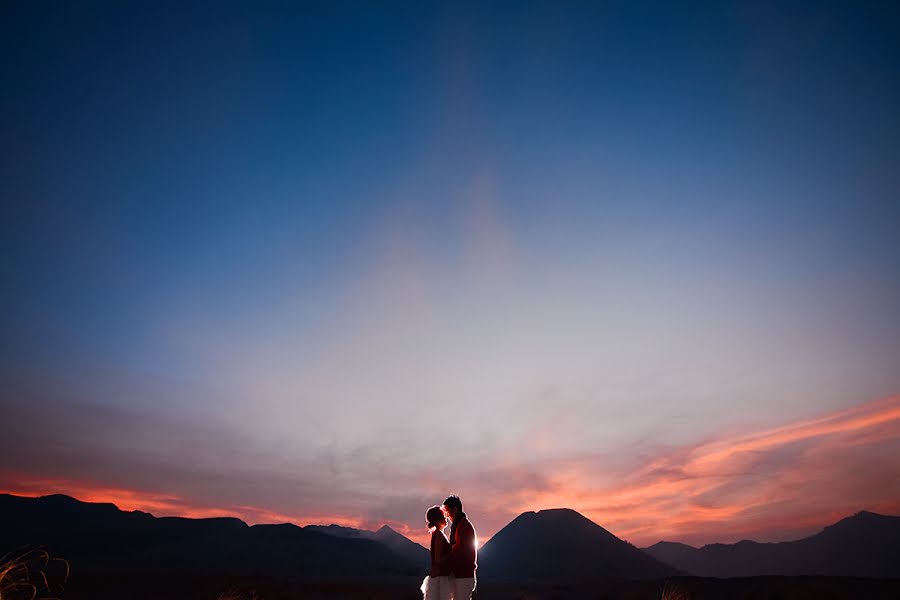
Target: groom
463,548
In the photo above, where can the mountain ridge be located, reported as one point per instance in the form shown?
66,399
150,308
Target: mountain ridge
864,544
101,538
569,545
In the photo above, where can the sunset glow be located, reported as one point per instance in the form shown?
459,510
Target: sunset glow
721,487
301,262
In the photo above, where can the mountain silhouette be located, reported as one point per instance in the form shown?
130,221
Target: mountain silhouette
545,546
100,538
399,543
562,545
863,545
402,545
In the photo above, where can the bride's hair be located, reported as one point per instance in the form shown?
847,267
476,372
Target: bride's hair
433,516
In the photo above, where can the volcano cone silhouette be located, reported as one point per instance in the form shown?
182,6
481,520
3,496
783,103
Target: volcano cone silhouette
563,545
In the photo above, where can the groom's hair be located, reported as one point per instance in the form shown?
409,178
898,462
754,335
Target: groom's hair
454,501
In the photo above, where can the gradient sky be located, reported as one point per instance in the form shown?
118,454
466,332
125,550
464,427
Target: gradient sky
331,261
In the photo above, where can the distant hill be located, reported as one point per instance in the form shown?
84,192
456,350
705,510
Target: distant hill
562,545
402,545
675,554
864,545
397,542
100,538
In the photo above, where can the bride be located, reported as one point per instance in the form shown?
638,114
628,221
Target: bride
438,584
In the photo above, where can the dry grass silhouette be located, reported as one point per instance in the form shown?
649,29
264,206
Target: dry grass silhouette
670,591
24,576
237,595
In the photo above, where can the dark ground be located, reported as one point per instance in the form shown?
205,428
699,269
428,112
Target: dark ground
676,588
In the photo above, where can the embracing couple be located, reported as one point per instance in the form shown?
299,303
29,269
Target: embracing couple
453,561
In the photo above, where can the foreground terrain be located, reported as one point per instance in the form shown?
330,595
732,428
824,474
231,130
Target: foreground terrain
676,588
77,550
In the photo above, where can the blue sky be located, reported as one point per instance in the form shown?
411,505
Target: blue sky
352,236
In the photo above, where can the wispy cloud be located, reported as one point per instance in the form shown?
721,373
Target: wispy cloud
775,483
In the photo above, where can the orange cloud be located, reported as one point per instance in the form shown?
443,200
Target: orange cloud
790,479
777,483
855,419
157,503
164,504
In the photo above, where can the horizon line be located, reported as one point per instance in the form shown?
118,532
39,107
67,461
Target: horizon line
482,542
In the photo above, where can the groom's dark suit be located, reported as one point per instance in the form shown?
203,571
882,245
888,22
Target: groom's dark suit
463,553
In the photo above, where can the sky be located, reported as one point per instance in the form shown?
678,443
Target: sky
329,262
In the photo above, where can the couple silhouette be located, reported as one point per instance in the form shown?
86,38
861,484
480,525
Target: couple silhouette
453,558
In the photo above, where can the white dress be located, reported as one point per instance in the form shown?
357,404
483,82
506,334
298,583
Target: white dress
438,588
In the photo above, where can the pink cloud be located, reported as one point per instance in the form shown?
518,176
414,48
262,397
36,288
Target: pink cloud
779,483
